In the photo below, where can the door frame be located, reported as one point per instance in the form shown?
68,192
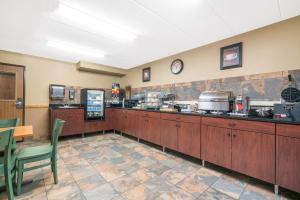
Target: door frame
24,91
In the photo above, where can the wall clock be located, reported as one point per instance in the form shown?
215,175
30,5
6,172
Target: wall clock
177,66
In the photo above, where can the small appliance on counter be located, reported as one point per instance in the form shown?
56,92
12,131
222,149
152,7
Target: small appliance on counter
241,104
218,102
93,102
289,108
57,92
129,103
261,111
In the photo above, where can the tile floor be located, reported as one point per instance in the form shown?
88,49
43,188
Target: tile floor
113,167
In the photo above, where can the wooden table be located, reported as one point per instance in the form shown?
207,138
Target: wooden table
21,131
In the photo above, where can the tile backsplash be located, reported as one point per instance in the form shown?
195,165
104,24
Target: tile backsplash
259,87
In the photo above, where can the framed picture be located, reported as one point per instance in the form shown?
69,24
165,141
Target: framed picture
146,74
231,56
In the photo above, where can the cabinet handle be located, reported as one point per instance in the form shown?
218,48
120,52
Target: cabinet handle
228,134
234,135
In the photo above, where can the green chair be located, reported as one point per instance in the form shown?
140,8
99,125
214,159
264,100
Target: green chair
5,123
7,163
39,153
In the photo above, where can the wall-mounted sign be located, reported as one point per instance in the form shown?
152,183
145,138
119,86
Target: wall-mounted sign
231,56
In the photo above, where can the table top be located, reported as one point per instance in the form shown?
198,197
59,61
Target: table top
21,131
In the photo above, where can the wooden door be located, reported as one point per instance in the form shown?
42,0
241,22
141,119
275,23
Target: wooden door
108,119
12,92
119,120
253,154
189,139
130,122
153,130
74,121
288,162
141,131
169,134
216,145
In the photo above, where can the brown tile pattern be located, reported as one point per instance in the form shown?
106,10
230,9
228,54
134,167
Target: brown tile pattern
112,167
267,86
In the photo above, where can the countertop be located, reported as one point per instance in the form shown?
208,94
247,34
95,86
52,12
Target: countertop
225,116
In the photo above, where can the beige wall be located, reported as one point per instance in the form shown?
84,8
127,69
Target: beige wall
270,49
39,74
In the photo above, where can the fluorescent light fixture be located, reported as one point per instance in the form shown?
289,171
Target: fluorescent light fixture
75,48
85,21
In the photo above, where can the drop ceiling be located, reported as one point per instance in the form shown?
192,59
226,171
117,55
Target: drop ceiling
158,28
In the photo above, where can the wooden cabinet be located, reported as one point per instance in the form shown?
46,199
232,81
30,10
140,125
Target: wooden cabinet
189,138
94,126
152,129
181,133
118,123
287,156
108,119
169,134
73,117
253,154
130,123
149,127
244,146
99,125
141,129
216,145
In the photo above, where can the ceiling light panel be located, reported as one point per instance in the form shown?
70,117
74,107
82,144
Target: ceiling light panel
83,19
74,48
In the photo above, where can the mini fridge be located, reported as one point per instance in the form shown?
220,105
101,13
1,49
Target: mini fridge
94,104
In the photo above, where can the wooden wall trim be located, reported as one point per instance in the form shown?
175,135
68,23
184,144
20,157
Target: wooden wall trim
36,106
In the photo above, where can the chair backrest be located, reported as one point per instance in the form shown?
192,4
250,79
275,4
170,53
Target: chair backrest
4,123
56,131
6,138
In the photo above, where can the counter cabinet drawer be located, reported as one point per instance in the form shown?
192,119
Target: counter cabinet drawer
288,130
180,118
149,114
263,127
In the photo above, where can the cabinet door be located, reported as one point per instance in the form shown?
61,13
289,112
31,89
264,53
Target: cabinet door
74,120
189,139
141,130
216,145
153,130
130,123
288,162
119,120
169,135
253,154
108,119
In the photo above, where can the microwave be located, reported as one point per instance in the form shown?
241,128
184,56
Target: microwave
57,91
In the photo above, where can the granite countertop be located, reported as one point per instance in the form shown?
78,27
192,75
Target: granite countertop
225,116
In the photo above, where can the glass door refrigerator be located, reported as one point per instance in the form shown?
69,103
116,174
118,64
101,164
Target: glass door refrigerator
94,104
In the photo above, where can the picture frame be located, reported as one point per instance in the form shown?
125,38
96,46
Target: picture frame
231,56
146,76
